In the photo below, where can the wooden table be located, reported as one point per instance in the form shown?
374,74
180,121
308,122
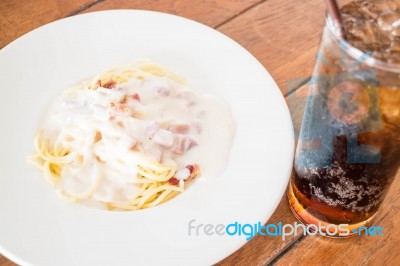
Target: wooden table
284,36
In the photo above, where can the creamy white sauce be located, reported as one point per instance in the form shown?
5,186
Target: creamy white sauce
137,120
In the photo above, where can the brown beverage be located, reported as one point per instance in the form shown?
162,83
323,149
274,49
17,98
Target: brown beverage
349,145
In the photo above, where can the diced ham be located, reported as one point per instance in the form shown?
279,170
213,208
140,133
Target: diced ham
179,144
152,128
191,168
164,138
182,144
194,171
180,128
173,181
190,143
135,96
190,172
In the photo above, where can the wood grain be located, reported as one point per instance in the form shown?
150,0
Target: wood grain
284,37
19,17
209,12
6,262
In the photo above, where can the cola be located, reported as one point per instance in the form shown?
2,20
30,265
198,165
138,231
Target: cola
348,151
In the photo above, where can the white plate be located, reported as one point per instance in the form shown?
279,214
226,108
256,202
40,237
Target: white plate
38,228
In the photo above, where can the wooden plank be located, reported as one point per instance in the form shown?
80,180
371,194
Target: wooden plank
282,35
5,262
209,12
19,17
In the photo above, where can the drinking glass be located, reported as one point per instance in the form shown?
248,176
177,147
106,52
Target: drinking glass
348,151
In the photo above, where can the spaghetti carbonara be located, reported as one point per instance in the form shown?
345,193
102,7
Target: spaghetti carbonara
131,138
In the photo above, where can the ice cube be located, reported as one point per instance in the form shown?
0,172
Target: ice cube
374,26
379,55
351,10
396,28
357,29
370,32
394,58
383,5
368,13
395,46
384,41
386,20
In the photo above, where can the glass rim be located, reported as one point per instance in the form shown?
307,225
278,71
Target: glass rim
357,54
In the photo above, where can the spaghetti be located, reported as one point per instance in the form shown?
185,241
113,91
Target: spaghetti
112,141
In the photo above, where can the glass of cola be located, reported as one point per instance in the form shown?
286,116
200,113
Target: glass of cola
348,152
